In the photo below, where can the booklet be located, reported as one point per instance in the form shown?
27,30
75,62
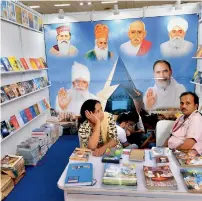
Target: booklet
80,154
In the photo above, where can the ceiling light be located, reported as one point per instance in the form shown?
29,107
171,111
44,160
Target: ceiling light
34,6
107,2
81,3
89,3
62,5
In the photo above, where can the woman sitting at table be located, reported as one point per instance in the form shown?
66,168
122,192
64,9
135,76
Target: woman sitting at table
97,130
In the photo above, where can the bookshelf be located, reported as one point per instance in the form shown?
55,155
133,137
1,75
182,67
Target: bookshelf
14,99
197,57
24,71
200,21
2,140
196,83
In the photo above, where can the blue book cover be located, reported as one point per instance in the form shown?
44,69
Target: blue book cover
31,108
79,174
24,117
6,63
43,106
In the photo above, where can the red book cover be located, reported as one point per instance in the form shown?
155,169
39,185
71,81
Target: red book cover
38,64
14,121
28,114
24,63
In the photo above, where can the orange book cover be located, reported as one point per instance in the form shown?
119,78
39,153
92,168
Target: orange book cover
33,64
14,121
24,63
39,65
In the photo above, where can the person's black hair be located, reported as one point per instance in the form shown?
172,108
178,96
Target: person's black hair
196,98
87,105
162,61
123,117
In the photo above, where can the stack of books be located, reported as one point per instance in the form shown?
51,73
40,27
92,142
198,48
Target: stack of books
7,185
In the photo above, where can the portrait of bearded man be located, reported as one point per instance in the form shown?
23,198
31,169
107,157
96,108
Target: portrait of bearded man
100,51
64,46
177,46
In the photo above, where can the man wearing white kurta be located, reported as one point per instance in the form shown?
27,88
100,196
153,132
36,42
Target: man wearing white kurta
166,91
71,100
177,46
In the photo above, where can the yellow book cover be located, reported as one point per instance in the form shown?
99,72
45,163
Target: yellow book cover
33,64
14,64
18,14
199,52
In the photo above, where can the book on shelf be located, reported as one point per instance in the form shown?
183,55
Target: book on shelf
46,103
36,108
42,61
19,119
4,129
9,92
188,158
15,89
193,179
79,174
33,112
112,155
159,178
37,83
28,114
24,117
13,120
161,160
33,64
27,87
14,64
2,68
43,82
38,63
4,97
80,154
24,63
28,63
21,67
136,155
6,63
197,78
21,88
199,52
119,174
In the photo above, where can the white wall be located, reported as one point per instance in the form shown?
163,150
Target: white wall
165,10
21,42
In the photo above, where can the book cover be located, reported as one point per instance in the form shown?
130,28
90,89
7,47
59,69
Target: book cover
47,105
199,52
28,63
4,129
136,155
197,78
193,179
15,89
20,65
31,20
18,14
27,87
43,61
161,160
19,119
32,84
42,106
9,92
4,97
28,114
119,174
188,158
79,174
159,178
24,63
11,11
13,120
112,155
80,154
2,67
9,161
21,88
25,20
31,108
33,64
43,82
24,117
37,83
36,22
38,63
14,64
4,10
6,63
36,108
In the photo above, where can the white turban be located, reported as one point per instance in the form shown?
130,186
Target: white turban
178,21
80,71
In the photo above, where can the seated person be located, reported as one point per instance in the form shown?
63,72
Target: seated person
97,129
187,129
122,123
136,132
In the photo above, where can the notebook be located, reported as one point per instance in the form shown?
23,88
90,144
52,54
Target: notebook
79,174
112,155
136,155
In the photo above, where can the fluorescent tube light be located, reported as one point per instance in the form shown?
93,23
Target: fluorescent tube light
34,6
81,3
61,5
108,2
89,3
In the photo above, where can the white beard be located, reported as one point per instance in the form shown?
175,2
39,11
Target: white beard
177,42
78,97
163,85
101,54
63,47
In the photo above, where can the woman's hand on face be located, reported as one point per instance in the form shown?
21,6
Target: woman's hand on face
91,117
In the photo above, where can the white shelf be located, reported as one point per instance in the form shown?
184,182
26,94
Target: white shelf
24,71
196,83
6,102
23,126
197,57
200,21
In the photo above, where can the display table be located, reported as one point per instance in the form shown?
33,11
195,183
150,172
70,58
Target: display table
102,192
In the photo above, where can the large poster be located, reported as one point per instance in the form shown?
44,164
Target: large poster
113,62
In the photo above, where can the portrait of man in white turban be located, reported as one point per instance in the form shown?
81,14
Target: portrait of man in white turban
71,100
64,46
177,46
